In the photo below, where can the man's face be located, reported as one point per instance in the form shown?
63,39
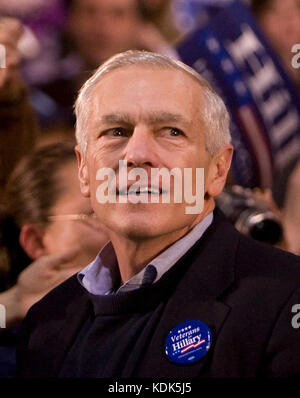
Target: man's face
150,118
102,28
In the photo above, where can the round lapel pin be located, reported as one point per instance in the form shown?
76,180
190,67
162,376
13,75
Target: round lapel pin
188,342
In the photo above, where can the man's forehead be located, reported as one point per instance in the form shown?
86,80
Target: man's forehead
112,103
163,76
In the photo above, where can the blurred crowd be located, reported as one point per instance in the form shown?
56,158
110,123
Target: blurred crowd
47,229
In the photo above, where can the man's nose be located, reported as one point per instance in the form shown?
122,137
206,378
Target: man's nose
141,149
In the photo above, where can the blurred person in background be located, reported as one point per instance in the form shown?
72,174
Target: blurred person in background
70,39
44,215
18,125
291,211
159,12
95,30
43,21
280,21
102,28
286,198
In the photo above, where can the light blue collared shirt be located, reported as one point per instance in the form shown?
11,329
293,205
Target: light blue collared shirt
99,276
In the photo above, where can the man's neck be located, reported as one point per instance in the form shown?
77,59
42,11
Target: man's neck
134,255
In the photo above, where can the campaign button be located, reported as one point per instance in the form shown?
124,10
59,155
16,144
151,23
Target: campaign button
188,342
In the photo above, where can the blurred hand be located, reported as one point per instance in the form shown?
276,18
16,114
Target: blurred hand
267,197
42,276
35,281
150,39
10,32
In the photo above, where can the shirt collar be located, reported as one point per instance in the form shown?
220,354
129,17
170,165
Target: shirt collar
102,275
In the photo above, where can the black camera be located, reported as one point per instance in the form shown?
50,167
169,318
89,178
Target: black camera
250,215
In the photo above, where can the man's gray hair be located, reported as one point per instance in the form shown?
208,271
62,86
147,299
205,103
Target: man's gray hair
214,113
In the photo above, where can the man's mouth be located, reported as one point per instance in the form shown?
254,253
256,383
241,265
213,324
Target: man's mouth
140,191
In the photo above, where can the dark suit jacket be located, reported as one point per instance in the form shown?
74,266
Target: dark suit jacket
243,290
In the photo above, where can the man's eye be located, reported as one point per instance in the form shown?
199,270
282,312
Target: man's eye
174,132
116,132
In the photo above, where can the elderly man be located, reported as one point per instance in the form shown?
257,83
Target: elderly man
178,292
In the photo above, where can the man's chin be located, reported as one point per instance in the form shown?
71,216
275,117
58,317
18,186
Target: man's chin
144,221
141,229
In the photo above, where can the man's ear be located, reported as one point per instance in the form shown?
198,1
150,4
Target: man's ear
31,240
218,170
82,173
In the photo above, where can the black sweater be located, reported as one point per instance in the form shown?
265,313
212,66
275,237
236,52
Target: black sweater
118,329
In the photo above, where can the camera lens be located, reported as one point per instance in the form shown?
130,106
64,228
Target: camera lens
267,230
250,215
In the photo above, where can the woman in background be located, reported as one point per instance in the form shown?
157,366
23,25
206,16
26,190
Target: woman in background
44,214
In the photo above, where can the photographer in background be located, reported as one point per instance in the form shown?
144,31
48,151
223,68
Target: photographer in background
18,126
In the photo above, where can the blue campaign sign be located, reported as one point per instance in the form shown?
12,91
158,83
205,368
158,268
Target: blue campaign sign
188,13
232,54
